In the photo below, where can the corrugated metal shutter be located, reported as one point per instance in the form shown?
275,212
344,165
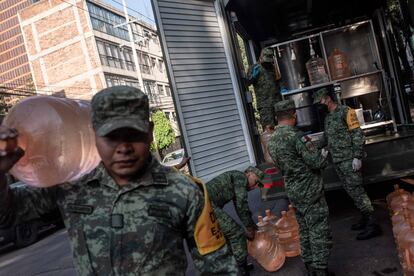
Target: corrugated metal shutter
212,120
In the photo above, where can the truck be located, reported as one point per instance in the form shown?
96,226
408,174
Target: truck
208,45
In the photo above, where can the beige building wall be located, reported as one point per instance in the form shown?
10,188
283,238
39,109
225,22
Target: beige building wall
66,59
15,76
61,49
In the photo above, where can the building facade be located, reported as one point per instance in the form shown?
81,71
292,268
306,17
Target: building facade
77,47
15,75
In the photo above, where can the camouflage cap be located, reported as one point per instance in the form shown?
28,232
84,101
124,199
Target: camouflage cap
267,55
260,175
120,107
284,105
319,95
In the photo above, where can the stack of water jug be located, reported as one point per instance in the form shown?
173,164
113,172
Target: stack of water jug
275,240
401,204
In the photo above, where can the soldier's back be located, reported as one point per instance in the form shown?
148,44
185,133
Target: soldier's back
266,88
282,148
221,189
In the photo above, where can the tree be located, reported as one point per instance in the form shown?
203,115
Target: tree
164,134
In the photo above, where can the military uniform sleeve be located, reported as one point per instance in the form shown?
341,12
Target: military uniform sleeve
25,203
241,200
218,262
323,142
357,136
309,152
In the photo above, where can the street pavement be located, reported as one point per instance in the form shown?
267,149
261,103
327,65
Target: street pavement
378,257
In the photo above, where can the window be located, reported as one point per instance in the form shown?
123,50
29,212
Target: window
153,63
146,33
161,90
112,80
167,91
149,89
144,63
161,65
104,21
113,56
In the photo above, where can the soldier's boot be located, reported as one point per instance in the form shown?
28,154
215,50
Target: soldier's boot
361,224
372,229
309,269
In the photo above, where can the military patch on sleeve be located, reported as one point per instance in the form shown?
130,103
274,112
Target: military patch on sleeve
305,139
352,119
310,145
159,178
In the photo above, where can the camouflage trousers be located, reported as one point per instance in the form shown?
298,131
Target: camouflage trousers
315,233
352,183
267,116
234,234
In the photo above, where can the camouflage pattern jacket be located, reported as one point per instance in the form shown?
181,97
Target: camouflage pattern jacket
231,186
265,86
343,134
136,229
300,162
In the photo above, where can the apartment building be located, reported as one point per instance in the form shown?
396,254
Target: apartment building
77,47
15,75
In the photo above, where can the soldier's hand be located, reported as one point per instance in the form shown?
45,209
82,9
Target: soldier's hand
356,164
250,232
10,153
324,152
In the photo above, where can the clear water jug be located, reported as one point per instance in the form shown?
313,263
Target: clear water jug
57,137
288,235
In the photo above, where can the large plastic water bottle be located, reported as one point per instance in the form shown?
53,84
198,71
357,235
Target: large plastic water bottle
57,137
288,235
397,193
338,64
316,68
265,249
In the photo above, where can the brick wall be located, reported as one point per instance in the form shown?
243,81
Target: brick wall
61,48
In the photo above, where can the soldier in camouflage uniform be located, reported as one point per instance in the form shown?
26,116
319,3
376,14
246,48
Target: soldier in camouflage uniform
262,76
301,162
345,141
233,186
128,216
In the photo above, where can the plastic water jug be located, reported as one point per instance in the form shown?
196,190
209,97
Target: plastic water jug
398,192
265,249
57,137
271,220
288,235
338,64
398,201
316,70
292,212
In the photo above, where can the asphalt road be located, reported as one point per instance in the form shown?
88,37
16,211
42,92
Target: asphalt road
378,256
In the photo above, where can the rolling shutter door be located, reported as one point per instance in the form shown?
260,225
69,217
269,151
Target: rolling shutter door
205,89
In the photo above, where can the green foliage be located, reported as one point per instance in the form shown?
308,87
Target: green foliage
246,67
163,132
